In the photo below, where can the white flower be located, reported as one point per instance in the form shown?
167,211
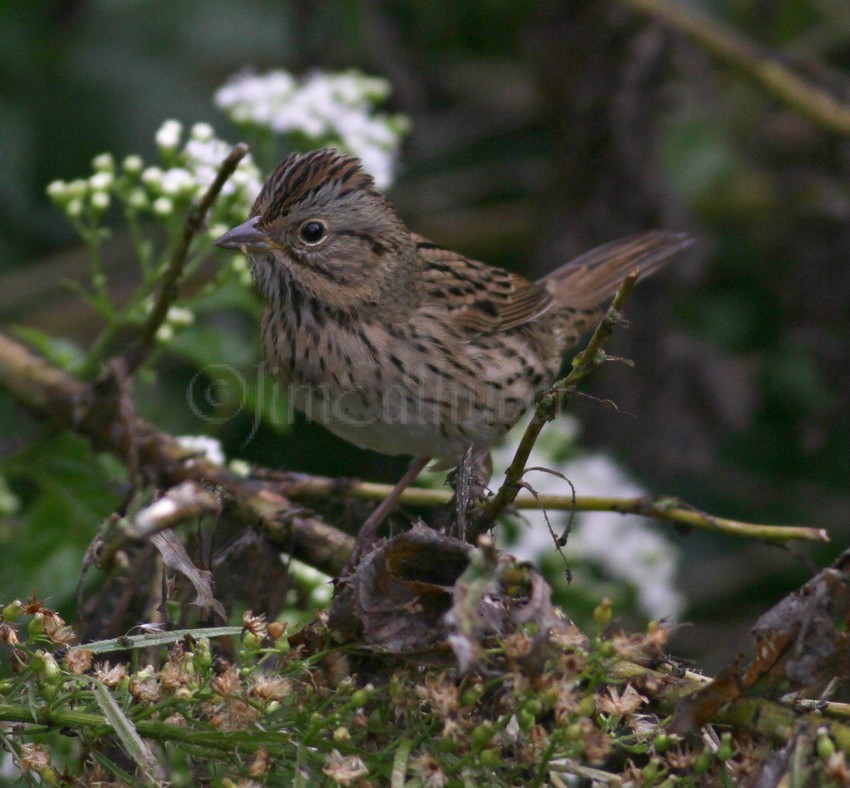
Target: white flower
132,164
327,107
74,208
168,136
57,190
137,199
165,333
100,201
101,181
177,181
210,448
180,316
152,177
103,163
627,548
162,206
202,132
77,188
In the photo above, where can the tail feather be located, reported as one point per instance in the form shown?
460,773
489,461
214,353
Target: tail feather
586,282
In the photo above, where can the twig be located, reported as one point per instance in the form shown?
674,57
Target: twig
774,720
193,221
748,57
551,402
303,487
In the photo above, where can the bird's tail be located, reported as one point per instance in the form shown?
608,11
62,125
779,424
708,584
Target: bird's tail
581,287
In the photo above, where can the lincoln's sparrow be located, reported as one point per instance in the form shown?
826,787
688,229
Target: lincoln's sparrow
391,341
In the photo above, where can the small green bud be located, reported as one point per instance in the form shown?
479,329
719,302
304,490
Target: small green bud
661,743
491,757
359,697
603,612
471,694
35,628
703,762
824,745
446,744
481,734
726,749
526,719
12,611
652,771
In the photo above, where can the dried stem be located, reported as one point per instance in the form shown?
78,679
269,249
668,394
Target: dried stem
749,58
549,406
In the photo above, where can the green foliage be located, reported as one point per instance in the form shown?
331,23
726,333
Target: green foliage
320,715
64,492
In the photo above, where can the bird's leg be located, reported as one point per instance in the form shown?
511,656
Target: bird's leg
469,481
369,530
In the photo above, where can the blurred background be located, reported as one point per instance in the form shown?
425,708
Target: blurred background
539,130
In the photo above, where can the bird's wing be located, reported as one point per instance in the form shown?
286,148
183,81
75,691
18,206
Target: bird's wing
480,298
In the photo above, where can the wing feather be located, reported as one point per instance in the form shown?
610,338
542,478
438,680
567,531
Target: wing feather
481,298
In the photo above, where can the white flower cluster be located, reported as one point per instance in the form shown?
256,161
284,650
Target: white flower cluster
186,171
327,108
93,194
626,548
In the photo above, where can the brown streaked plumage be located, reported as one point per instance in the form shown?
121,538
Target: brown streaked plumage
397,344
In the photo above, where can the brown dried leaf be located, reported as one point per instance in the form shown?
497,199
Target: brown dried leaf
175,557
795,642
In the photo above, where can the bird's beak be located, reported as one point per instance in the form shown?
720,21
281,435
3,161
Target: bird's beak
245,237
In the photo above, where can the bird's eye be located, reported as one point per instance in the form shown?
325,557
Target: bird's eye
312,231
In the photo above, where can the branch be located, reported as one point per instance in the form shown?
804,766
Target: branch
303,487
52,395
746,56
547,408
193,221
774,720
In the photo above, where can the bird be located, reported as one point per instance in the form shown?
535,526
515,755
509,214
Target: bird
397,344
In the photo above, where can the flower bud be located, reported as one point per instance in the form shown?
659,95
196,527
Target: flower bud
104,163
133,164
168,136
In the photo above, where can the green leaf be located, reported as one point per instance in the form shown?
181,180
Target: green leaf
60,352
126,732
65,492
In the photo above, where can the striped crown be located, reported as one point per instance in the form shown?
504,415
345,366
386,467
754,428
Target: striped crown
302,178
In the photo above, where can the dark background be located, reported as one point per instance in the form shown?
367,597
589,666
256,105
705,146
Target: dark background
539,130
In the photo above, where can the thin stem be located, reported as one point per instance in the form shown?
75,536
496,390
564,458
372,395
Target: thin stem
141,349
301,487
192,222
749,58
549,406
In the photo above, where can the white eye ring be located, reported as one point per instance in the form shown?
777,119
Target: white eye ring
313,232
